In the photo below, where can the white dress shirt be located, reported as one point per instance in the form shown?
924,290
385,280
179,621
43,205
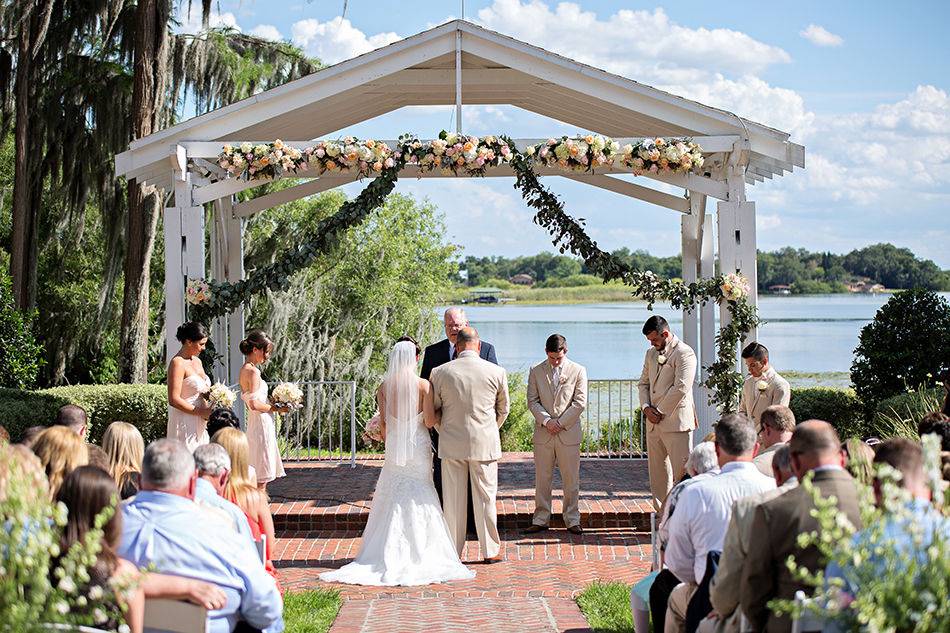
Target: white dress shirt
702,516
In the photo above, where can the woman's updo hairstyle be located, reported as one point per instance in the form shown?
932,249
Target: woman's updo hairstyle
191,331
255,339
409,339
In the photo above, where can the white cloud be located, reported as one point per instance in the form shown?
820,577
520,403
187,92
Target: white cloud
820,36
190,21
765,222
336,40
267,32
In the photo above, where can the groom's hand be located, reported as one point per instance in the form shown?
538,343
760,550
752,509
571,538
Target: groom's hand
553,427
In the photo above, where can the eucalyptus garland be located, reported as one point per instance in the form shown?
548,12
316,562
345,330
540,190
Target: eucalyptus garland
469,155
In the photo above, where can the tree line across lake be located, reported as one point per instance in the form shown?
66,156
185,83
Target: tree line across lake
801,271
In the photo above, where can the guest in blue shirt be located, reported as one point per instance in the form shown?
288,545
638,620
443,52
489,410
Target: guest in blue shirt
162,526
214,467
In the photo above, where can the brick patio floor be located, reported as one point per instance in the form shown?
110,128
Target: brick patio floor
321,508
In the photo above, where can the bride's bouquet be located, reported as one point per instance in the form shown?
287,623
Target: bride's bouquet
220,396
373,433
287,395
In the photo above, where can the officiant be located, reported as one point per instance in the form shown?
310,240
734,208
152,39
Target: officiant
439,354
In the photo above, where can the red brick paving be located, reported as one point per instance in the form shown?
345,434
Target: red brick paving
320,509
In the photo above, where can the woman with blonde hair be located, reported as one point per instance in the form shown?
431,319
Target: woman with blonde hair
125,447
61,451
242,491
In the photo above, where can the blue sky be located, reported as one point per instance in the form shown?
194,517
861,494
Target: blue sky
863,85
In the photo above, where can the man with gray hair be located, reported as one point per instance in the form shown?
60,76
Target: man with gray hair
705,508
162,527
214,469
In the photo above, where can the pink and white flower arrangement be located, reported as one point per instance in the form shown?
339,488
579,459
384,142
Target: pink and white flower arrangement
287,395
661,155
457,154
363,156
576,153
264,161
197,292
273,160
373,433
734,287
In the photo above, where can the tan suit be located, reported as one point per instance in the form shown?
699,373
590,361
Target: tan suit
668,386
763,461
473,396
563,402
754,400
724,588
776,525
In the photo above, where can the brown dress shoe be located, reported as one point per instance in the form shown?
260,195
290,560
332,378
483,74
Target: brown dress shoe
534,529
494,559
575,529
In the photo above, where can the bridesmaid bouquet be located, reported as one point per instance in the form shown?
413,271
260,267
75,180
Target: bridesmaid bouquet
287,395
220,396
373,432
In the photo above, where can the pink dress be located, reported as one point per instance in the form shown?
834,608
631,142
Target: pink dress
262,439
186,427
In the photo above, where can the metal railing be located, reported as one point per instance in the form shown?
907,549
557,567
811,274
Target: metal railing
612,424
325,427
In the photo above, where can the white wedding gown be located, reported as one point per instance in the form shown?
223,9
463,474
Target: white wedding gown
406,540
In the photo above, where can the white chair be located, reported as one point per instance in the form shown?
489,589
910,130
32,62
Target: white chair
654,542
71,628
262,548
809,621
174,616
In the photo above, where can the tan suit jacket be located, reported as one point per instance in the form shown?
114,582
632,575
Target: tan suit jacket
724,588
754,401
669,386
564,402
473,396
776,525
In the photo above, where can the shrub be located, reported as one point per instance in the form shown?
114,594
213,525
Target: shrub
518,430
899,415
572,281
20,354
840,407
145,406
908,340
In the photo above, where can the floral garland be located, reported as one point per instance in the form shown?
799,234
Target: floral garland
472,156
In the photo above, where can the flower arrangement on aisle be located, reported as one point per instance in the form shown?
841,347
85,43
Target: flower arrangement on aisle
220,396
287,395
456,154
576,153
659,155
373,432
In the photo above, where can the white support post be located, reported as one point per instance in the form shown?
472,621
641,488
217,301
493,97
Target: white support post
690,233
176,225
706,412
219,253
234,270
458,81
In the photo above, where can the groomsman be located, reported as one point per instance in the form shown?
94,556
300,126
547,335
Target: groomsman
666,400
439,354
557,396
764,386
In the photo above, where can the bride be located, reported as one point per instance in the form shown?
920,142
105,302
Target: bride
406,540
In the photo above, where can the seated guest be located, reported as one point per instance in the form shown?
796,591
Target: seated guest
910,533
73,417
776,425
86,492
125,447
704,509
30,434
97,457
764,387
244,493
859,457
163,527
214,470
702,463
4,436
221,418
21,460
776,524
724,588
60,451
936,423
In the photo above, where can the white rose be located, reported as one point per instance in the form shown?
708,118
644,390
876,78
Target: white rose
246,147
661,359
761,385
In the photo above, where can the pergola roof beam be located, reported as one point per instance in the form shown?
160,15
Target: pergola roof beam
632,190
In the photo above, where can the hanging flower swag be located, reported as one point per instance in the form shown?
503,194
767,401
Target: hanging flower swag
463,155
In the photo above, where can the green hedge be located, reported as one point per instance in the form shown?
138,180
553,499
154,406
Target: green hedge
145,406
840,407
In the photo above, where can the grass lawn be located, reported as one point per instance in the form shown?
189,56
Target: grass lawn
311,611
606,605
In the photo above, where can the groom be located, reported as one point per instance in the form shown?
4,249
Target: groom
472,395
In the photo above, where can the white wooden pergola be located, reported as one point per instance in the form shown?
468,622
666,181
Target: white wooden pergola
454,64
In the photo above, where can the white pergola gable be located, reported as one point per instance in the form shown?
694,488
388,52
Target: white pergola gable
454,64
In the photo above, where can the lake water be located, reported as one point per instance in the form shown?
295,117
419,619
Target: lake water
814,333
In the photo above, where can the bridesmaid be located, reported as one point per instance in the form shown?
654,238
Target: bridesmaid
261,432
187,384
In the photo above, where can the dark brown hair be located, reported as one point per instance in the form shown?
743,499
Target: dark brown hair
191,331
409,339
757,351
903,455
255,339
86,492
555,343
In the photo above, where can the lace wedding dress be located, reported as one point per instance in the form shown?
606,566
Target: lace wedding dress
406,540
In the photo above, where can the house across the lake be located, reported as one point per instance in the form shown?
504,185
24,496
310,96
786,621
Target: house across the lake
522,279
866,286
